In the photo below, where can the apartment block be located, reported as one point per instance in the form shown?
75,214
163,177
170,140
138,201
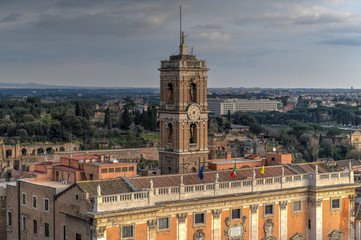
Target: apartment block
222,107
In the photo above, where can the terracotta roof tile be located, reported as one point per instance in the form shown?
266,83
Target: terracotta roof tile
108,187
209,177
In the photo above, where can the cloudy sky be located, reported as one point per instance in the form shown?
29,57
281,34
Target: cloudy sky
119,43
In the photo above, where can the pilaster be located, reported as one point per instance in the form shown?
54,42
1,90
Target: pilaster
216,224
283,220
152,227
253,231
352,226
182,226
316,218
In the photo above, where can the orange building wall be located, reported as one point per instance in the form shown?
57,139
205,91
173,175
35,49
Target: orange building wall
262,220
279,158
296,221
230,165
171,234
224,215
335,220
113,233
141,231
191,230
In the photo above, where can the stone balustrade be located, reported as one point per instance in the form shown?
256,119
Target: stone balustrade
149,197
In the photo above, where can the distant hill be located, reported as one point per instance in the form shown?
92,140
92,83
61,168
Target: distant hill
35,86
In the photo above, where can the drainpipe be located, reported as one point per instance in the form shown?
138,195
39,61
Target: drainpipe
19,207
54,198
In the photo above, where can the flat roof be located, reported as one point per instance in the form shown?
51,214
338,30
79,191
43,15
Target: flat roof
237,161
82,157
109,164
47,183
4,184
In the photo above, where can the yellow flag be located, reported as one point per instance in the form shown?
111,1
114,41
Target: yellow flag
262,171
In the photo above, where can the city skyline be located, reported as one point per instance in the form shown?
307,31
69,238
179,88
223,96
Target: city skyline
277,44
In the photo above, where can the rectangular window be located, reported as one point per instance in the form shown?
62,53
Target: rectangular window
296,206
163,223
46,204
77,236
124,169
35,226
69,176
236,213
131,169
24,223
127,231
64,233
46,230
111,169
199,218
104,170
24,198
118,169
335,204
9,219
268,209
35,199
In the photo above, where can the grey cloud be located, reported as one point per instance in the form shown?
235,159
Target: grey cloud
12,17
321,19
347,41
214,26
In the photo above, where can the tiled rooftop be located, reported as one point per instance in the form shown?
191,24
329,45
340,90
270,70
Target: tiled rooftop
237,160
82,157
108,164
108,187
209,177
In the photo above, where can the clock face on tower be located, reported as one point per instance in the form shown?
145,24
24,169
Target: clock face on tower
194,112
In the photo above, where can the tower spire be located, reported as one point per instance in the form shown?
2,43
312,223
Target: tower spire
183,50
180,25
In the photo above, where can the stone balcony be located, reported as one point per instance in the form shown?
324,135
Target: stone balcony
169,147
193,147
152,196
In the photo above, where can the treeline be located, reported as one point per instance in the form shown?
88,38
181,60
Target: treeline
340,114
35,121
306,141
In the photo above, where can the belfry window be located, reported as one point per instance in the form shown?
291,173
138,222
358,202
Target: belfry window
170,94
193,134
170,133
193,92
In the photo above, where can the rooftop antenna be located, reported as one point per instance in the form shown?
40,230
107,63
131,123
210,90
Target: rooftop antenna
180,24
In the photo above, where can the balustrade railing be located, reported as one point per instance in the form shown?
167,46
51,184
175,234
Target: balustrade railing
163,194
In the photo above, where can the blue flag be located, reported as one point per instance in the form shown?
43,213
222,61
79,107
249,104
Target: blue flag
200,174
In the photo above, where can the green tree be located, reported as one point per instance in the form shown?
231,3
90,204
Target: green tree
126,121
108,119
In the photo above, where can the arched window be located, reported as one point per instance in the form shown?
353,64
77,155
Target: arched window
193,92
170,94
193,134
170,133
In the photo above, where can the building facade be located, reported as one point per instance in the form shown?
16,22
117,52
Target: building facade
302,201
222,107
183,113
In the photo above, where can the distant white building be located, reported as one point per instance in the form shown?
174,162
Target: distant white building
223,106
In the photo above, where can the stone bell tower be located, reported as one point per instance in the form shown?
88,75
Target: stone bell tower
183,113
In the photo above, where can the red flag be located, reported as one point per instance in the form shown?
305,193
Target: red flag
233,173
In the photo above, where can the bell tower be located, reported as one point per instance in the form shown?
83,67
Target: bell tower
183,112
